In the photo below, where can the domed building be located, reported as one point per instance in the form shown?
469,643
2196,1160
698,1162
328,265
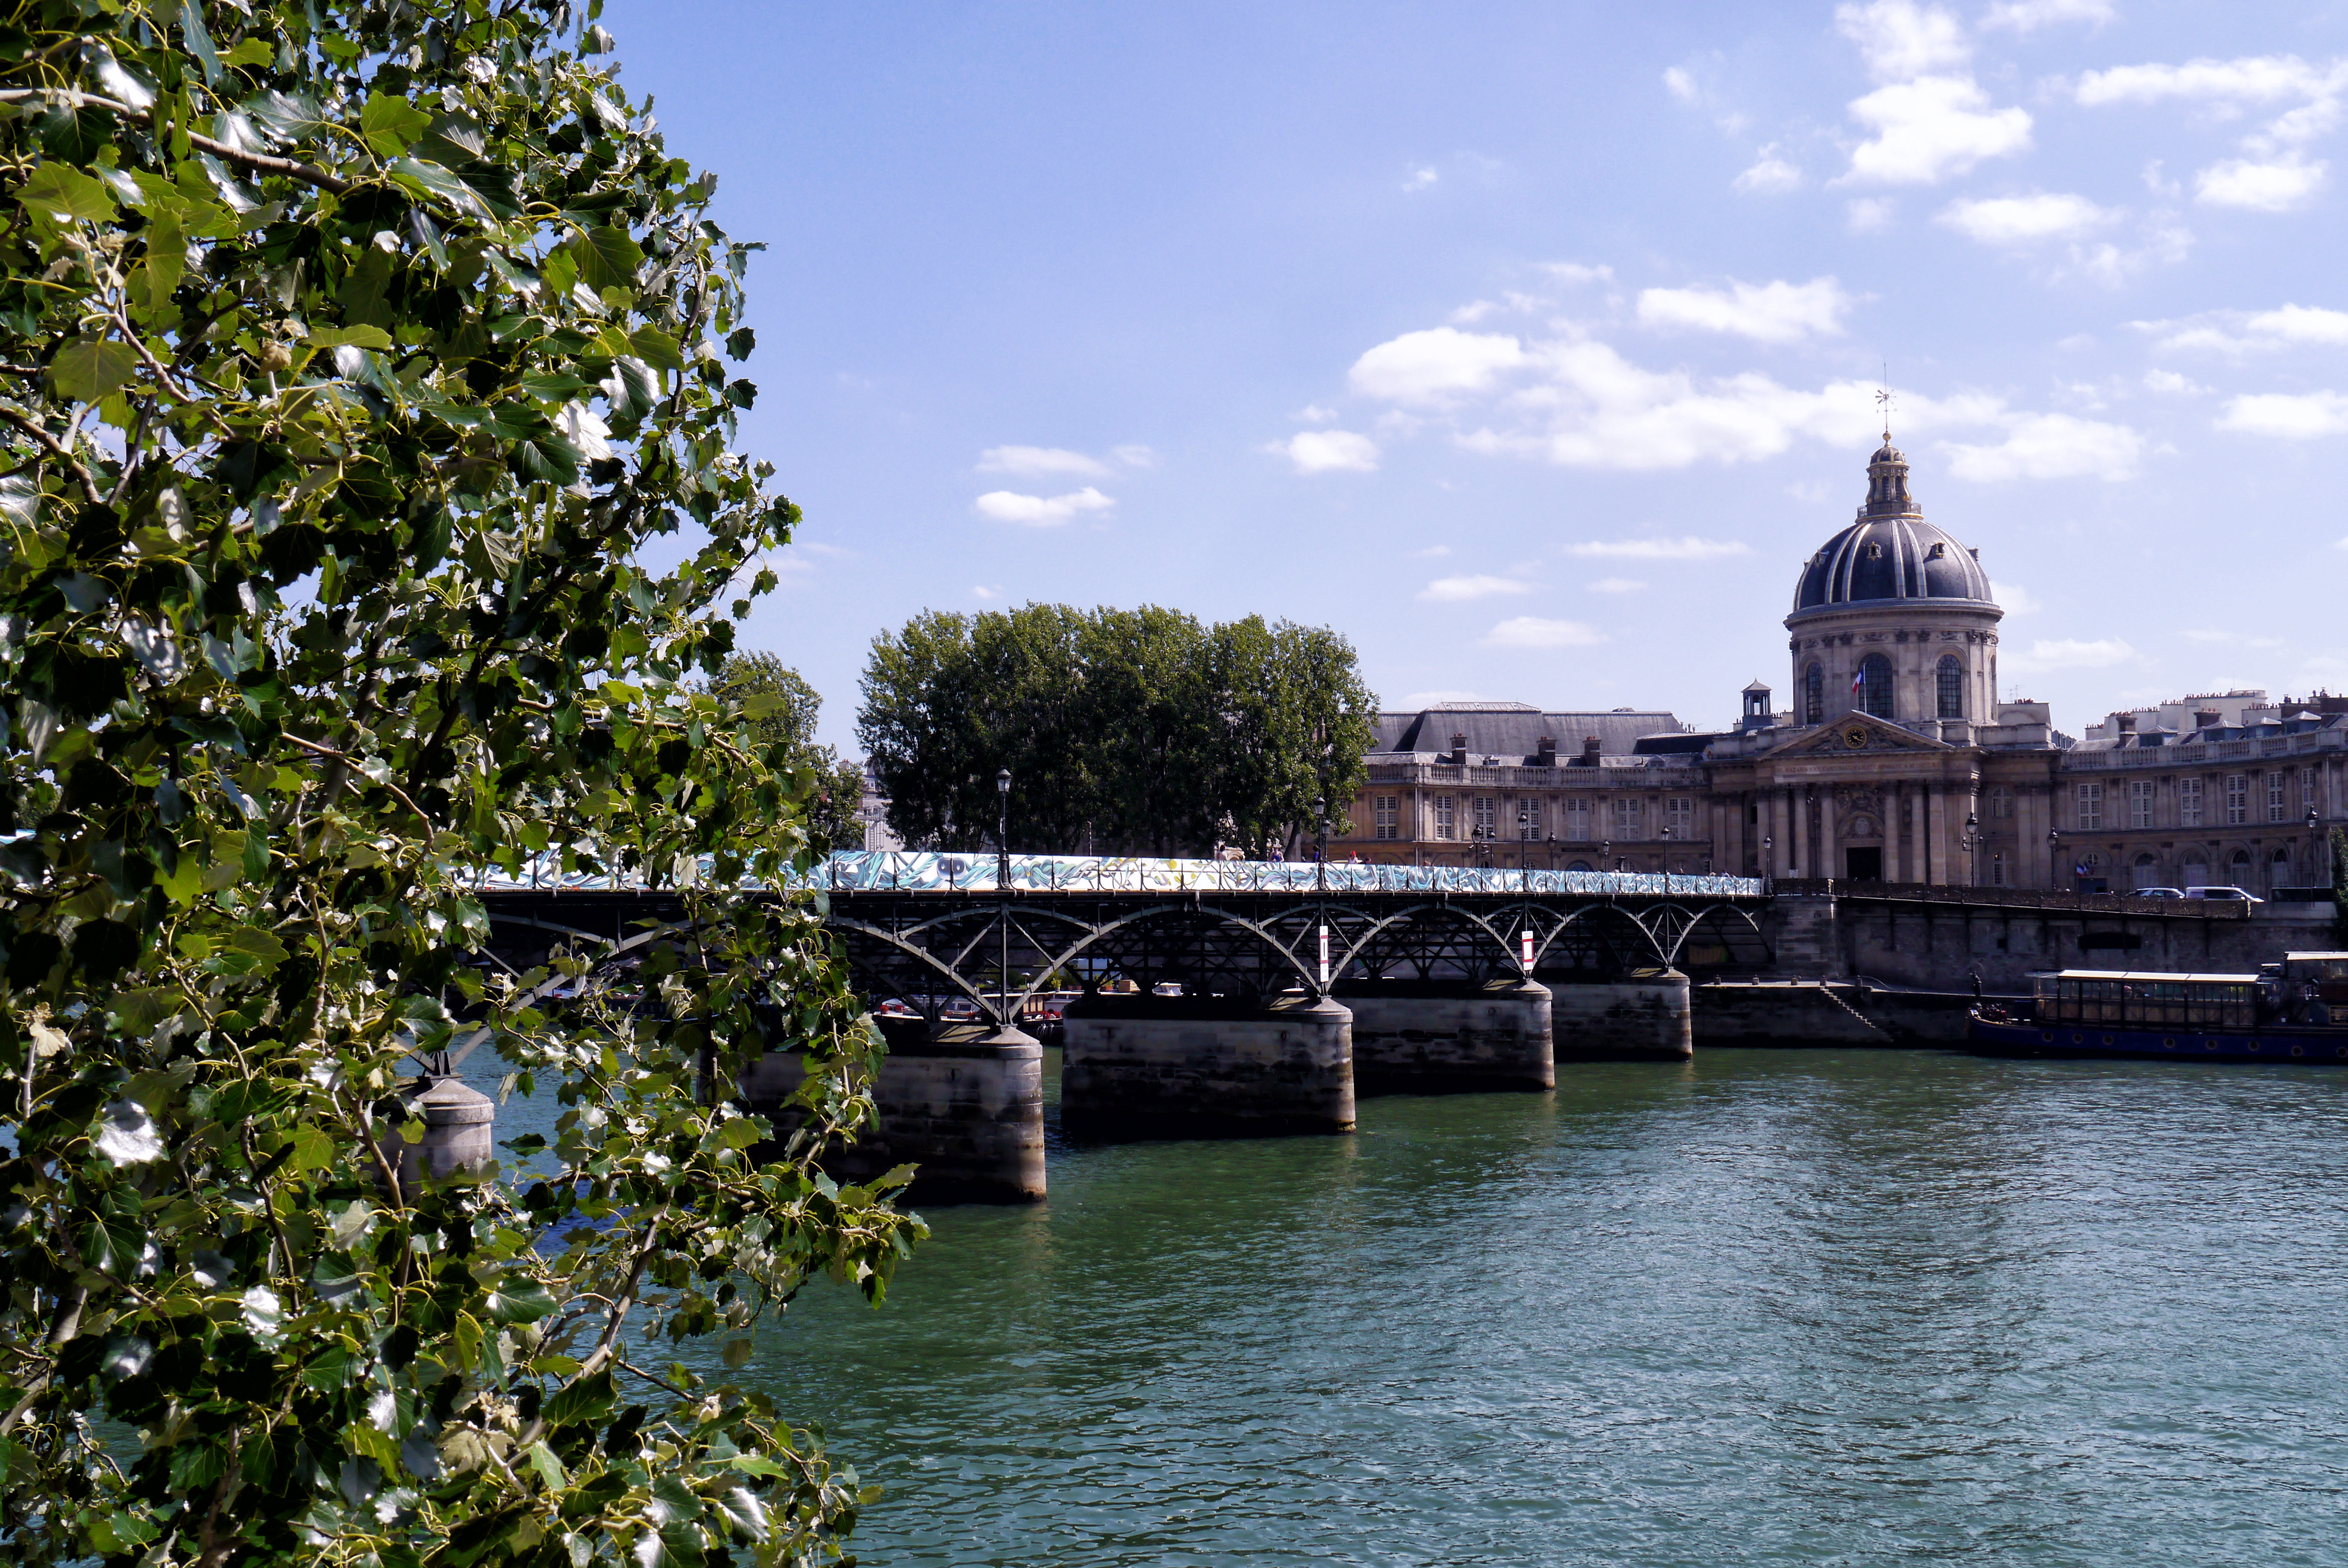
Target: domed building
1893,617
1895,762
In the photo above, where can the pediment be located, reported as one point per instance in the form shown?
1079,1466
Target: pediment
1857,734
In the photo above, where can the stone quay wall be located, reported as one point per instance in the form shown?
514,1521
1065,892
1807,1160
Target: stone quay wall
1144,1066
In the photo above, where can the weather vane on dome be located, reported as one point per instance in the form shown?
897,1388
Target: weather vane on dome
1884,402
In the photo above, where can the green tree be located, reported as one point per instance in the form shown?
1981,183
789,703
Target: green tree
788,707
1149,731
2340,887
922,731
349,353
1295,722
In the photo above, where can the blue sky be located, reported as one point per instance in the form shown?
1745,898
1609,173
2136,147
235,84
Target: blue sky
1534,346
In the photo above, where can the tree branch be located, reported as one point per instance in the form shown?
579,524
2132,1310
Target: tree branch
58,450
308,173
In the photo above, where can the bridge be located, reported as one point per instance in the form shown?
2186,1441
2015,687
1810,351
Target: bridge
947,935
1218,996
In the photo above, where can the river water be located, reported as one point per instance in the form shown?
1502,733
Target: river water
1774,1307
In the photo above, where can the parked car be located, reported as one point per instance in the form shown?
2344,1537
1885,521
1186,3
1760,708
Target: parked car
2222,896
2157,893
1167,988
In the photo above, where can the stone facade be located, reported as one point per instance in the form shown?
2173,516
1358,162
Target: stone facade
1896,762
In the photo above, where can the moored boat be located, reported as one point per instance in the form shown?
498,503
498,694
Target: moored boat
2294,1012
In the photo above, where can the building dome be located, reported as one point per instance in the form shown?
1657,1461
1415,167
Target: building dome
1890,552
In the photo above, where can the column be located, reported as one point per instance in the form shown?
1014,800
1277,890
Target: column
1894,865
1798,820
1936,833
1829,847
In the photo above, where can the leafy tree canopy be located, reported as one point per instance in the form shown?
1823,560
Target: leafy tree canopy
352,352
1138,731
781,710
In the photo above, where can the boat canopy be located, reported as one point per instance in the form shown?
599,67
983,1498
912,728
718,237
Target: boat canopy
2147,999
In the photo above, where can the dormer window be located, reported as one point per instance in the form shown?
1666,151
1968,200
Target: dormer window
1874,551
1938,553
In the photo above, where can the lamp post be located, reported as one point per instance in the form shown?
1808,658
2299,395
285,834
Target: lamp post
1320,842
1003,888
1549,843
1667,859
1606,855
1970,844
2055,854
1768,856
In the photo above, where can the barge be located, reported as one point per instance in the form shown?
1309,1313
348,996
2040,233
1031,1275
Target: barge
2294,1012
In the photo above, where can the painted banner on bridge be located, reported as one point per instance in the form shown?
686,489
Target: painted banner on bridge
885,870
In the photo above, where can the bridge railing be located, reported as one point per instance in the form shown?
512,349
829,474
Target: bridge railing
884,871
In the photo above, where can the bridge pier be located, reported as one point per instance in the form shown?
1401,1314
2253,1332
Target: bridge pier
1179,1067
964,1102
1433,1036
1643,1017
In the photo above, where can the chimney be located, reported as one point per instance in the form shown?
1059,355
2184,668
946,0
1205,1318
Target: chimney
1458,749
1547,751
2206,718
1589,751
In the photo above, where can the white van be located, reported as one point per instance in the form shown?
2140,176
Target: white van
2222,896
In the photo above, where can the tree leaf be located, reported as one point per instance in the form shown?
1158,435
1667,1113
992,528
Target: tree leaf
65,192
607,257
358,336
657,347
391,124
88,368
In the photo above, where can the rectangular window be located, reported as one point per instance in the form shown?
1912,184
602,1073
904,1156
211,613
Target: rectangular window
2238,798
1577,821
1488,813
2140,803
2001,803
1443,823
2307,789
2276,805
2091,807
1679,815
1529,820
2188,802
1382,812
1997,870
1627,818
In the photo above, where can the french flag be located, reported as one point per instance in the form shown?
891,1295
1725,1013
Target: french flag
1857,679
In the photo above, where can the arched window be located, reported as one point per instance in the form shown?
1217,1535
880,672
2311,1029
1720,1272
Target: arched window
1949,678
1814,694
1875,686
2279,872
2239,872
2146,873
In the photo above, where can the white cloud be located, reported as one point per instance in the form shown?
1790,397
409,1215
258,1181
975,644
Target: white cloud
1040,460
2276,186
1871,214
2231,639
1577,272
2291,416
983,593
1776,312
2022,220
2014,599
1135,456
2051,447
1615,585
1533,631
1040,511
2027,15
2069,654
1435,365
2262,78
1459,590
2285,327
2276,175
1769,175
1930,128
1420,179
1329,452
1690,548
1681,85
1901,40
1432,551
2169,381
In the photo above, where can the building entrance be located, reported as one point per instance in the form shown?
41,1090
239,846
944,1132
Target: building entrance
1863,865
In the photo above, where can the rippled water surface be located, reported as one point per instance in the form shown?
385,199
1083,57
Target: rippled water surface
1788,1307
